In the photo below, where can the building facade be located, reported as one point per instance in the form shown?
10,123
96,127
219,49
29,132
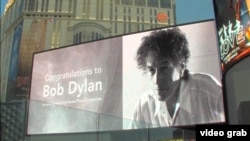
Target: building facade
30,26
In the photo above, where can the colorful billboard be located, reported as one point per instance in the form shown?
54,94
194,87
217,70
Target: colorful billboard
98,86
233,29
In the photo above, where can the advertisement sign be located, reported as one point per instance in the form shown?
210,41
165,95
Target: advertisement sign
12,77
97,86
233,29
33,40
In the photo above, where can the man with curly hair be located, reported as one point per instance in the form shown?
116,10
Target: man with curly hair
178,97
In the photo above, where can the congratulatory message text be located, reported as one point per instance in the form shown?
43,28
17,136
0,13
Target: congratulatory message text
73,87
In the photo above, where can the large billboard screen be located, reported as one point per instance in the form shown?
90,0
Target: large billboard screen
233,29
100,86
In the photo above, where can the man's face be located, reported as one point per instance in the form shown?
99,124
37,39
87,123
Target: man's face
163,75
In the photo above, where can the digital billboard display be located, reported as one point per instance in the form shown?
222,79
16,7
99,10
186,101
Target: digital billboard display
109,84
233,29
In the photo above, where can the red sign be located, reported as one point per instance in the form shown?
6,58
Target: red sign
162,17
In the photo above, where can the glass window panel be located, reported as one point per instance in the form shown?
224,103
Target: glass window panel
152,3
127,2
117,1
165,3
140,3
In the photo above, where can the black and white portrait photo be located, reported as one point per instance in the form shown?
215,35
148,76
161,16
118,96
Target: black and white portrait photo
173,77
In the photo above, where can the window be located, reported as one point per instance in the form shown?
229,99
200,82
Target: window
36,6
152,3
96,35
115,27
100,36
127,2
42,7
84,35
31,5
92,35
124,28
117,1
129,27
80,37
60,6
76,37
140,3
165,3
56,5
47,5
70,3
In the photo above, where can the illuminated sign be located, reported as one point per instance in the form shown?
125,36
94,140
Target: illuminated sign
96,86
162,17
233,24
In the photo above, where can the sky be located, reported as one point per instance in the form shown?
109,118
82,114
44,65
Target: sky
3,2
194,10
186,10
